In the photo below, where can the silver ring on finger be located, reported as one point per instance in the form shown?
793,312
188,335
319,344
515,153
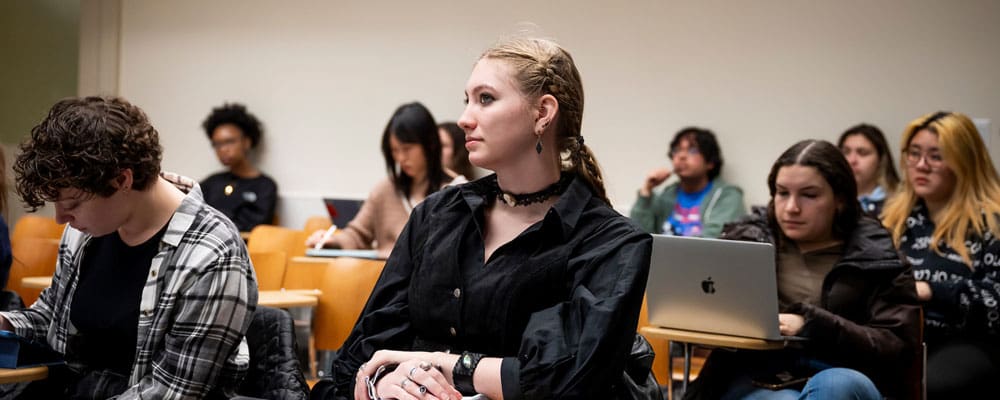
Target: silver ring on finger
404,382
424,365
412,370
422,388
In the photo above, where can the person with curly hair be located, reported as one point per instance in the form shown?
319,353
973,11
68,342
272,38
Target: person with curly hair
244,193
153,290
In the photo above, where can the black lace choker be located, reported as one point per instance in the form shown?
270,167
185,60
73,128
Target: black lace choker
513,199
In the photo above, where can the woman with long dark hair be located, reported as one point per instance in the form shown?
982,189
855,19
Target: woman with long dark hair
840,285
411,148
453,152
867,152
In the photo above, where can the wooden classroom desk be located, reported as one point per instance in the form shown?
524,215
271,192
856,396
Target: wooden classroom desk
23,374
288,298
36,282
690,338
310,260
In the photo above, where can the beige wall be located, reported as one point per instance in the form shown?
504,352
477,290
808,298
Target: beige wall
325,76
38,65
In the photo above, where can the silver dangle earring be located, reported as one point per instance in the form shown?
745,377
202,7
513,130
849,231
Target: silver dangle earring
538,145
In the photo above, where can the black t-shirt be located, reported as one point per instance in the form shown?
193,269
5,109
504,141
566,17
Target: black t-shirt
248,202
105,308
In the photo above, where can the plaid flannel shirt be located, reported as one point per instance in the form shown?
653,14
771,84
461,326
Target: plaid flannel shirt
196,305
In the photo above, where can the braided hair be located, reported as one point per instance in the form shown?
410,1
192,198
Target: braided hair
543,67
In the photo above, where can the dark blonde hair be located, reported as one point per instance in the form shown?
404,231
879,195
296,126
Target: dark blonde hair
543,67
977,186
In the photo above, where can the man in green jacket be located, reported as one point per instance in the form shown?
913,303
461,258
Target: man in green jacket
700,202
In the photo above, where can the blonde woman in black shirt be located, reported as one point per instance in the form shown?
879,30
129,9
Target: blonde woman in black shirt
523,284
946,220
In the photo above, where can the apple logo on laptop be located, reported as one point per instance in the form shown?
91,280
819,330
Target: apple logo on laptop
708,286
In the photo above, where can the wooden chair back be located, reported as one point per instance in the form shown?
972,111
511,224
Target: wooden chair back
36,226
304,275
276,238
32,257
317,223
270,268
660,346
346,286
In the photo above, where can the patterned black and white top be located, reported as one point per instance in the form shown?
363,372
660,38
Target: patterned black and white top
964,300
196,306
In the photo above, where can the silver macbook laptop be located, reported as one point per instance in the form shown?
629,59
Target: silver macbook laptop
714,286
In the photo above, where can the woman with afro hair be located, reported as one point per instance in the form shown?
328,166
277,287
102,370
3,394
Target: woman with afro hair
243,192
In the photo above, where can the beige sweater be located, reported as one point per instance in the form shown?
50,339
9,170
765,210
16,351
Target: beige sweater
380,220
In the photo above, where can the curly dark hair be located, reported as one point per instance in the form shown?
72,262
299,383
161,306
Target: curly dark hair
236,114
84,143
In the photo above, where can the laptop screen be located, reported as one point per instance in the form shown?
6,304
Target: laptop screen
342,211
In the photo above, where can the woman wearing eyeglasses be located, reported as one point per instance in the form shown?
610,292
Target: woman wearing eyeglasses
945,219
242,192
700,202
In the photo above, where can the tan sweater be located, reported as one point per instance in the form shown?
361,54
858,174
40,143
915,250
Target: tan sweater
380,220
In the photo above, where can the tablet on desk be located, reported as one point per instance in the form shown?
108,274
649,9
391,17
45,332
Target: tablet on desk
370,254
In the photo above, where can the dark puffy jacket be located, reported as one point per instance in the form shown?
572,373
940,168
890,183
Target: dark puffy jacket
274,371
868,319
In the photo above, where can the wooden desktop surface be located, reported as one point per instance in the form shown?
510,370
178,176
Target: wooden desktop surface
36,282
711,339
287,298
313,260
23,374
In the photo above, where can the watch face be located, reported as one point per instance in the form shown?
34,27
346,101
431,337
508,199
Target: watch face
467,361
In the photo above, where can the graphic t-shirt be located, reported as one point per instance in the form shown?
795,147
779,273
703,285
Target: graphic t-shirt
686,218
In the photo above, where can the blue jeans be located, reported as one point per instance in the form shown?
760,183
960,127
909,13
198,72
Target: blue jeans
831,383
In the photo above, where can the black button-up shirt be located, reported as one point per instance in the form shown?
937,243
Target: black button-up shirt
559,303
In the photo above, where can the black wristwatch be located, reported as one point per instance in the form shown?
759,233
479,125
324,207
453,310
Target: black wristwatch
465,367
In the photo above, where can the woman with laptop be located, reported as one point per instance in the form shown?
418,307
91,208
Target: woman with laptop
411,148
841,286
946,220
522,284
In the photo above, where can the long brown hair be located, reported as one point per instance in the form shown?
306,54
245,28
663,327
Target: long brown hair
829,162
543,67
887,175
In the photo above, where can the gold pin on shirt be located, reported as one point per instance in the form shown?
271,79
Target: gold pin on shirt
228,190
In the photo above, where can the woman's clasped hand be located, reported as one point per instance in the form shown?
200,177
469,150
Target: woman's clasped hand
404,375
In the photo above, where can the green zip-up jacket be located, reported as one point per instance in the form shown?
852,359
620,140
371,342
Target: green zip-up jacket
724,203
